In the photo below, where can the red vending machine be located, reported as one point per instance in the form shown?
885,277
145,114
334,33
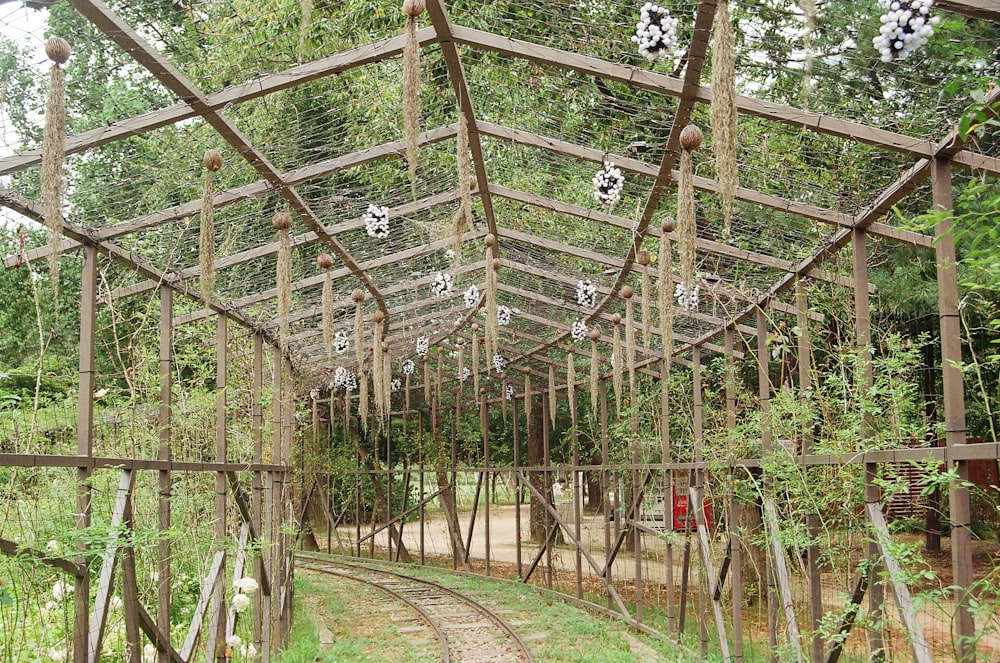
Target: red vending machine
680,498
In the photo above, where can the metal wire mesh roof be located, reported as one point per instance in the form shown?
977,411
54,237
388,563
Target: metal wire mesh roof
310,119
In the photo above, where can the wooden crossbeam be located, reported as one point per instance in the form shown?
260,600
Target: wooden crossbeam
14,549
848,616
207,589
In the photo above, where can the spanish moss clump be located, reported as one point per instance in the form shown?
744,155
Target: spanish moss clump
642,257
808,8
595,369
571,382
666,301
53,146
552,394
462,220
411,88
363,398
206,238
461,365
387,386
492,330
628,293
475,357
282,222
378,365
305,25
358,297
527,398
686,221
723,113
617,364
324,261
427,381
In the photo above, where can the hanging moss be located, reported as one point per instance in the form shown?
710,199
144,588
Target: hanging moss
552,395
628,293
619,363
282,222
462,220
324,261
571,382
642,257
595,370
411,88
358,297
722,113
492,327
53,146
475,357
212,161
686,221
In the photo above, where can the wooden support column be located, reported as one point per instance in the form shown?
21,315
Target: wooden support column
863,334
388,484
272,483
256,486
605,485
696,504
764,398
806,448
577,501
484,424
420,427
735,550
666,483
164,452
84,448
954,410
517,486
216,643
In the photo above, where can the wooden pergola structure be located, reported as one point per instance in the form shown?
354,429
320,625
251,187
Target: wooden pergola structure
539,267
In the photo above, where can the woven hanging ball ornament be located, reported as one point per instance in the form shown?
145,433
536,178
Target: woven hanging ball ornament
475,327
212,160
414,8
642,257
608,184
357,295
471,297
586,294
616,318
490,239
57,49
691,137
905,27
656,32
495,264
579,330
668,225
627,291
385,346
378,317
504,315
442,285
281,221
340,342
324,261
377,221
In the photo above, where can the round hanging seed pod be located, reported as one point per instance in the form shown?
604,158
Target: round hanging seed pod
496,264
324,261
460,341
378,317
212,160
668,225
414,7
594,334
616,318
642,257
691,137
490,240
475,326
627,291
282,221
385,346
358,296
57,49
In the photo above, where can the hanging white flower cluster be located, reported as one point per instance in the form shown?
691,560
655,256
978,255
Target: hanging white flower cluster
423,345
579,332
687,298
314,394
499,362
905,27
339,376
395,385
503,315
340,342
443,285
246,585
586,294
466,373
239,603
471,296
409,367
656,32
377,221
350,381
608,184
509,392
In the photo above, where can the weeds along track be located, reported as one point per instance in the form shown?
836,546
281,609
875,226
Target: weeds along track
468,631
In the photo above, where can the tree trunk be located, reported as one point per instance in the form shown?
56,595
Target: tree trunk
750,525
447,498
537,479
380,504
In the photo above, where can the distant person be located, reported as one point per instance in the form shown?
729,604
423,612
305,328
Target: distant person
558,489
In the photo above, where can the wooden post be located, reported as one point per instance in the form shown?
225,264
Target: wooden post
388,484
666,483
547,489
577,502
764,397
219,596
695,506
256,497
517,487
84,448
605,485
484,424
954,410
164,453
863,334
736,563
806,447
420,427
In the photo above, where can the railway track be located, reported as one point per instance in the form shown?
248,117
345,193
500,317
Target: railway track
467,631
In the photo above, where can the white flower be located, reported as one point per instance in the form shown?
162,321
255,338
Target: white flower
340,342
234,640
579,332
409,367
509,392
608,184
377,221
56,654
115,603
687,297
656,32
52,546
49,607
248,651
246,584
905,27
314,394
339,377
423,345
61,590
472,296
350,381
149,653
586,294
155,576
499,362
466,372
503,315
442,285
240,602
395,384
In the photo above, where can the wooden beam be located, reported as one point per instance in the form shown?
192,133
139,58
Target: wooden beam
14,549
207,589
984,9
